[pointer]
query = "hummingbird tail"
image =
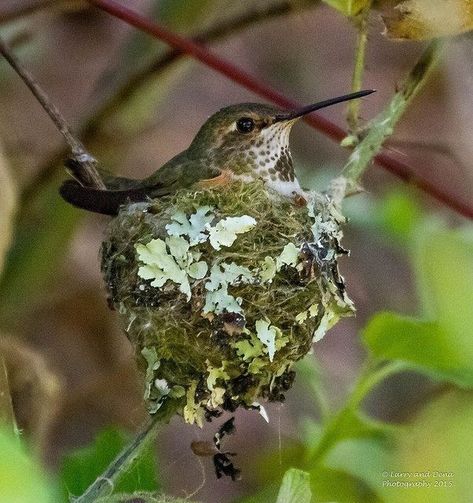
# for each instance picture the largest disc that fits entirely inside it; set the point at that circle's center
(105, 202)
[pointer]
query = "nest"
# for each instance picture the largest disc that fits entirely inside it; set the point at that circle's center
(221, 291)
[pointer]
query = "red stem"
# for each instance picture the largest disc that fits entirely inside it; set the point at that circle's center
(233, 72)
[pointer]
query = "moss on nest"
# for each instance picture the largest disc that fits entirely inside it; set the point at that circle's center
(222, 290)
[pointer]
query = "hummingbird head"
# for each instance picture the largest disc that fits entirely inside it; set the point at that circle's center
(253, 138)
(244, 138)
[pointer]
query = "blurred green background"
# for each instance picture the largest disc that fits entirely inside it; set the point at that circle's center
(65, 360)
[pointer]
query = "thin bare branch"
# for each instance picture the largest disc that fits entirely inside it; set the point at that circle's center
(83, 165)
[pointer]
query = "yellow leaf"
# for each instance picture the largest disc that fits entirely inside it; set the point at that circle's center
(426, 19)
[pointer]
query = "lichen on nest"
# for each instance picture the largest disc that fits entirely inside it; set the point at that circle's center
(222, 290)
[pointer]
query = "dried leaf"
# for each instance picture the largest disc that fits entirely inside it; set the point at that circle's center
(426, 19)
(7, 415)
(8, 196)
(35, 389)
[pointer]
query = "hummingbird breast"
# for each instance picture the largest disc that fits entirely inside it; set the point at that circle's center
(268, 158)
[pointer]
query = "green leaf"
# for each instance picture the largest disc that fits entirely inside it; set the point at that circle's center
(444, 262)
(437, 446)
(222, 275)
(220, 300)
(178, 248)
(249, 349)
(330, 485)
(398, 214)
(34, 259)
(295, 487)
(21, 478)
(425, 345)
(441, 344)
(346, 455)
(81, 467)
(348, 7)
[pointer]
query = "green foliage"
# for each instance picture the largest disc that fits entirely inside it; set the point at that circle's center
(438, 446)
(81, 467)
(399, 214)
(361, 458)
(36, 253)
(295, 487)
(328, 484)
(440, 343)
(21, 478)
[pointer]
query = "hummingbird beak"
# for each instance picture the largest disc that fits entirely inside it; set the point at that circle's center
(295, 114)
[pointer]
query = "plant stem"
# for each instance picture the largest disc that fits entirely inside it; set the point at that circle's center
(85, 165)
(381, 127)
(357, 78)
(367, 381)
(105, 484)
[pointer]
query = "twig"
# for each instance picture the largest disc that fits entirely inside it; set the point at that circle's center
(105, 484)
(357, 78)
(398, 168)
(383, 124)
(83, 164)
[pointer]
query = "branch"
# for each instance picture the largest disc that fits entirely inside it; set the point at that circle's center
(398, 168)
(83, 164)
(105, 484)
(382, 126)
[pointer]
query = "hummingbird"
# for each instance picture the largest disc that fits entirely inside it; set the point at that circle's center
(246, 141)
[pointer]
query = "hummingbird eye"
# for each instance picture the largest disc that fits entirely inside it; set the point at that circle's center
(245, 125)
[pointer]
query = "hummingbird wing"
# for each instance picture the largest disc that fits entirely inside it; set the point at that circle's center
(120, 190)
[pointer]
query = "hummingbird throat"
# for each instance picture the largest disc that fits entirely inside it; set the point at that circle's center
(268, 158)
